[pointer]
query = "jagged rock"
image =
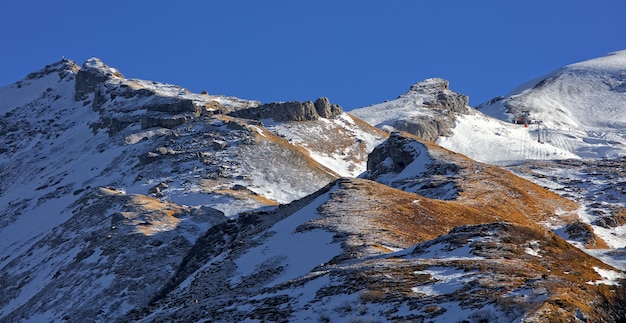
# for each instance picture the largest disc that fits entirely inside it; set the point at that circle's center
(164, 120)
(443, 97)
(93, 72)
(173, 106)
(169, 113)
(291, 111)
(451, 100)
(391, 156)
(441, 102)
(615, 219)
(426, 127)
(64, 67)
(325, 109)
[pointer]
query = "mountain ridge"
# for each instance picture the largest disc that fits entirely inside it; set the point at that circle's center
(177, 206)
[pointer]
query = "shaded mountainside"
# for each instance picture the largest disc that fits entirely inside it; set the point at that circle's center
(133, 200)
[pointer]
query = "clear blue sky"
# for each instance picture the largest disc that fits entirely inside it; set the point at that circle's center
(356, 53)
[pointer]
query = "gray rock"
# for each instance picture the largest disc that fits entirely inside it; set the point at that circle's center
(325, 109)
(442, 105)
(392, 156)
(291, 111)
(426, 127)
(93, 73)
(164, 120)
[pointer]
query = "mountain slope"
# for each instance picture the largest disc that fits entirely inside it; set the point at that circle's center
(360, 250)
(577, 111)
(133, 200)
(105, 178)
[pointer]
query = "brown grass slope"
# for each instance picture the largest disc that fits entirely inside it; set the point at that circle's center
(372, 220)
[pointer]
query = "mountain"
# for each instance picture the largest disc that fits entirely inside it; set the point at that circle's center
(93, 164)
(362, 250)
(574, 112)
(577, 111)
(134, 200)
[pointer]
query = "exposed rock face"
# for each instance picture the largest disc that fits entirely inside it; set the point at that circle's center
(292, 111)
(93, 72)
(391, 156)
(169, 113)
(442, 96)
(441, 102)
(427, 110)
(426, 127)
(64, 67)
(325, 109)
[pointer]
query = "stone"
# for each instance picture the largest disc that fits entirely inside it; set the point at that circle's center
(291, 111)
(93, 73)
(390, 156)
(325, 109)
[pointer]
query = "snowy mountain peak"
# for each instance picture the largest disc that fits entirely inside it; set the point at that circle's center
(134, 200)
(63, 67)
(93, 73)
(427, 110)
(614, 61)
(95, 64)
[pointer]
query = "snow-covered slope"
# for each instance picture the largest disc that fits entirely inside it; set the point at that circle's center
(359, 250)
(133, 200)
(103, 177)
(577, 111)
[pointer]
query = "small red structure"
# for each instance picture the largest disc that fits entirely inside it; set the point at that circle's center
(523, 118)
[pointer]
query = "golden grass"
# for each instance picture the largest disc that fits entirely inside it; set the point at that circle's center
(146, 214)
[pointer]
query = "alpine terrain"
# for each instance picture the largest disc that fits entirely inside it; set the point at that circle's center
(127, 200)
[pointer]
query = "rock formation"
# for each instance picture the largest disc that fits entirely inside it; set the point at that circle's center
(291, 111)
(441, 101)
(93, 73)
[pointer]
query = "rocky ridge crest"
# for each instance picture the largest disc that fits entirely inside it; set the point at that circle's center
(427, 110)
(292, 111)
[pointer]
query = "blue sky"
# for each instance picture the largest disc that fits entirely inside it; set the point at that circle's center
(356, 53)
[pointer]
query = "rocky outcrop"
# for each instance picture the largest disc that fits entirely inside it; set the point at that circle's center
(93, 72)
(426, 127)
(64, 68)
(169, 113)
(291, 111)
(325, 109)
(392, 156)
(442, 105)
(442, 96)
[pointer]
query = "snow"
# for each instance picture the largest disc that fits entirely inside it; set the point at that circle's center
(575, 125)
(446, 280)
(581, 111)
(385, 114)
(609, 277)
(297, 252)
(493, 141)
(447, 253)
(340, 161)
(14, 96)
(533, 249)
